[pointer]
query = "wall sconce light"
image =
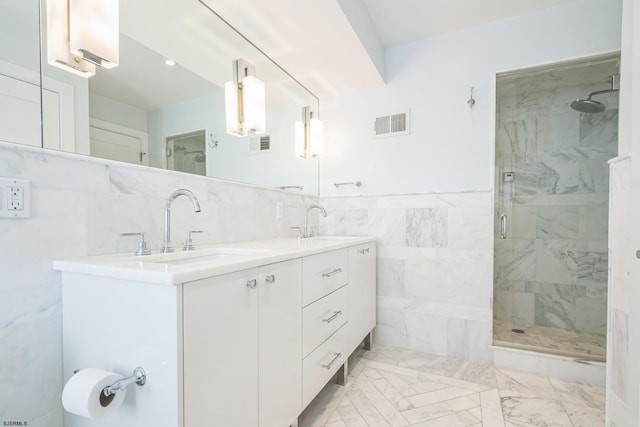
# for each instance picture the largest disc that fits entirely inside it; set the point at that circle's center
(94, 32)
(58, 48)
(308, 135)
(245, 101)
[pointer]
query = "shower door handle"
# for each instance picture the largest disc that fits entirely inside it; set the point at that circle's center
(503, 226)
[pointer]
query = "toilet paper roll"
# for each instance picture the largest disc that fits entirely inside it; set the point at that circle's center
(82, 395)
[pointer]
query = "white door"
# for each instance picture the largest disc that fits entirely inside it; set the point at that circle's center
(114, 142)
(19, 111)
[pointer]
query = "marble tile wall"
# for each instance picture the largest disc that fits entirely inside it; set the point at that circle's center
(79, 207)
(434, 267)
(552, 268)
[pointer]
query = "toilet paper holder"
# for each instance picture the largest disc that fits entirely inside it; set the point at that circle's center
(139, 377)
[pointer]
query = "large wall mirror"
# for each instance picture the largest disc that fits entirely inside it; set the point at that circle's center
(146, 111)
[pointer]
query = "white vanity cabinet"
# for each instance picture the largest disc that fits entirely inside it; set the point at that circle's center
(362, 293)
(243, 336)
(242, 348)
(325, 314)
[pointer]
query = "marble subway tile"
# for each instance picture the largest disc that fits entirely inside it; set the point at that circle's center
(523, 222)
(517, 136)
(558, 131)
(600, 129)
(426, 227)
(390, 277)
(518, 307)
(555, 310)
(591, 315)
(557, 222)
(619, 353)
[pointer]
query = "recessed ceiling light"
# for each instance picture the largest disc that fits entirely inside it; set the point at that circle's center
(169, 62)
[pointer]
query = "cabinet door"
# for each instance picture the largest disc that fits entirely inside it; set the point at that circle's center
(220, 330)
(362, 292)
(280, 343)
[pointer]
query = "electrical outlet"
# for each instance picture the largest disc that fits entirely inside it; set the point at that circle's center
(15, 200)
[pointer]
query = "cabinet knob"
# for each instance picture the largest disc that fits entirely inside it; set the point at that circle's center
(270, 278)
(364, 251)
(252, 283)
(638, 253)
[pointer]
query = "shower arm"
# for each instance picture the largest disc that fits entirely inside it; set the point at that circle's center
(600, 92)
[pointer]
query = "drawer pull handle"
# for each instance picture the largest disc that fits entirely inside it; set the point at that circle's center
(270, 278)
(333, 317)
(252, 283)
(336, 356)
(332, 272)
(364, 251)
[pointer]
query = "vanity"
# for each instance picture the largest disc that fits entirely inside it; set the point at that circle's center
(231, 335)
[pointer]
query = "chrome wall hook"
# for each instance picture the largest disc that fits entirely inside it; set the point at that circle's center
(471, 102)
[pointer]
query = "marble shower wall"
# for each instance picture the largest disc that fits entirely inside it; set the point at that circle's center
(435, 260)
(552, 268)
(80, 205)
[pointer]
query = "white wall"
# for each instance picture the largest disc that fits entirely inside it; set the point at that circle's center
(109, 110)
(434, 274)
(80, 205)
(450, 146)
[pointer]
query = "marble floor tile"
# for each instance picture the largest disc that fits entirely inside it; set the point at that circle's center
(396, 388)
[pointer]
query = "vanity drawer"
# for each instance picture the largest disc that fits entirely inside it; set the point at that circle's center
(323, 273)
(322, 318)
(322, 364)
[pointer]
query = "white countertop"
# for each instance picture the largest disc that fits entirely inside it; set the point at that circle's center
(180, 266)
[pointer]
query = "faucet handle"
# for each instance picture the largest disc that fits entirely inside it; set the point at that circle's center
(188, 243)
(299, 232)
(142, 245)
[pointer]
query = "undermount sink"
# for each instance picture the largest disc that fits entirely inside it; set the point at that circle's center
(196, 257)
(335, 238)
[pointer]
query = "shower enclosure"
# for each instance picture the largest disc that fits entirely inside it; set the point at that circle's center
(551, 205)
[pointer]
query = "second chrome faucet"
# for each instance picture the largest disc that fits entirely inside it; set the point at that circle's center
(166, 239)
(306, 233)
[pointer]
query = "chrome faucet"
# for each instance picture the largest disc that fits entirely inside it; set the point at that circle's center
(306, 232)
(166, 240)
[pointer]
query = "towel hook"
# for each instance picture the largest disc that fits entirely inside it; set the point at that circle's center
(471, 102)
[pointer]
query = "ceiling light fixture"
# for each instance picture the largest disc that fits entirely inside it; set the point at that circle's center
(245, 101)
(169, 62)
(309, 135)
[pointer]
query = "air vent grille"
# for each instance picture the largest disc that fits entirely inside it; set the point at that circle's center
(391, 125)
(259, 144)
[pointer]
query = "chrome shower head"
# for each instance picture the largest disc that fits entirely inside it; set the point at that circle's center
(588, 106)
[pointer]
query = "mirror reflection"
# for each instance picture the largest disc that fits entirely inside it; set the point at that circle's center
(164, 104)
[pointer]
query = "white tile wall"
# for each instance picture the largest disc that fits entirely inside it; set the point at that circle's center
(435, 257)
(80, 206)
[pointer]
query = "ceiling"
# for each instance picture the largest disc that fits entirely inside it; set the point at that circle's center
(337, 46)
(402, 21)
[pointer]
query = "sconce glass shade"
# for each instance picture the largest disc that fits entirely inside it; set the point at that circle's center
(245, 106)
(58, 51)
(94, 32)
(315, 137)
(309, 135)
(301, 140)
